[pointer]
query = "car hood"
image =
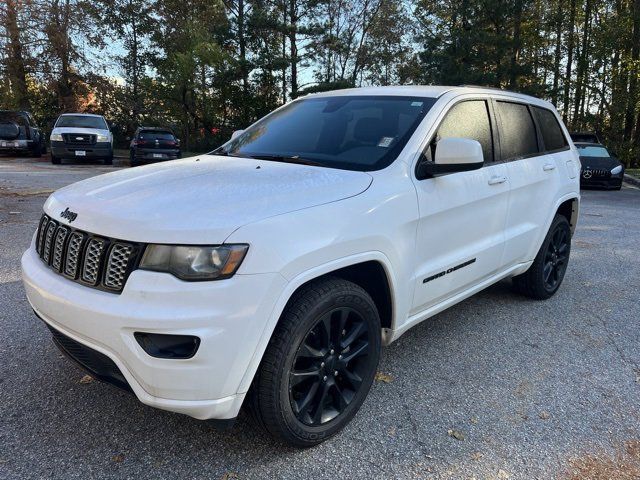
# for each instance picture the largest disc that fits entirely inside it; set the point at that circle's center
(198, 200)
(599, 162)
(89, 131)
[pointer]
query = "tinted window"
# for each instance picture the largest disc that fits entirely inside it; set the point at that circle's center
(517, 131)
(469, 119)
(349, 132)
(592, 151)
(155, 135)
(550, 129)
(81, 121)
(13, 117)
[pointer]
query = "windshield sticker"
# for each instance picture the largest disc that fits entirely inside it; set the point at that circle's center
(385, 142)
(416, 104)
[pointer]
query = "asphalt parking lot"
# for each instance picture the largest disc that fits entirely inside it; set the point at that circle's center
(496, 387)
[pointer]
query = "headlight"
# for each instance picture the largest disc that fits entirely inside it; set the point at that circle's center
(190, 262)
(56, 137)
(616, 170)
(103, 138)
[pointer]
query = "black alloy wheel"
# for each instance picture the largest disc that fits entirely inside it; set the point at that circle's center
(320, 363)
(546, 273)
(556, 257)
(329, 366)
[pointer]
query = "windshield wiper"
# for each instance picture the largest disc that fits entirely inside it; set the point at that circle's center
(287, 159)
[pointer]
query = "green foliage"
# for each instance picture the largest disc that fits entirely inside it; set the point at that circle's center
(208, 67)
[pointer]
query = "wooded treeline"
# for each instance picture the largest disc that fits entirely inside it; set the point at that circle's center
(208, 67)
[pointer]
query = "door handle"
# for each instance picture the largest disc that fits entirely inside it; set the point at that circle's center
(548, 167)
(497, 180)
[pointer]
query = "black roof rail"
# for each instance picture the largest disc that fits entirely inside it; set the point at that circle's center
(468, 85)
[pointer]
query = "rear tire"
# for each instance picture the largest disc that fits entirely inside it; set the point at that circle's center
(546, 273)
(55, 160)
(319, 364)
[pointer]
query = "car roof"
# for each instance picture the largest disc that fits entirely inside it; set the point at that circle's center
(81, 115)
(157, 129)
(431, 91)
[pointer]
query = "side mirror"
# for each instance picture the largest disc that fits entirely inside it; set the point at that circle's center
(452, 155)
(236, 133)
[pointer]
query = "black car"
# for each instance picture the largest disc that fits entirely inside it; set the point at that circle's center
(584, 137)
(153, 144)
(599, 167)
(19, 133)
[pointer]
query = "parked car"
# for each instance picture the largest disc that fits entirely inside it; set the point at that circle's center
(81, 136)
(585, 137)
(19, 133)
(599, 167)
(271, 271)
(153, 144)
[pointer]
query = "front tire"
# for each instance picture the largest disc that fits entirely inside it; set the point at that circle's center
(55, 160)
(546, 273)
(319, 364)
(109, 160)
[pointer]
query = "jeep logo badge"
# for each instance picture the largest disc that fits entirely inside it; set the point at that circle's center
(69, 215)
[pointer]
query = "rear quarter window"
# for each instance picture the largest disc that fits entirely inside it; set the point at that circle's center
(517, 131)
(550, 129)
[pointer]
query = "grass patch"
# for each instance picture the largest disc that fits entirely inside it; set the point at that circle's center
(634, 172)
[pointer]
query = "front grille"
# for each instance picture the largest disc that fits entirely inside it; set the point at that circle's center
(597, 172)
(79, 139)
(97, 364)
(92, 260)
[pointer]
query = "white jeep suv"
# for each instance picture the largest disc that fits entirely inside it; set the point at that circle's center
(270, 271)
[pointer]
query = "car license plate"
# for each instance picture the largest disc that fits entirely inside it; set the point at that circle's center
(80, 153)
(157, 155)
(10, 144)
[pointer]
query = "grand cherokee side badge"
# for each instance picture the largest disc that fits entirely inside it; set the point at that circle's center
(69, 215)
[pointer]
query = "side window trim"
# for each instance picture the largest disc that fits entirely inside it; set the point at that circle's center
(539, 143)
(493, 127)
(545, 151)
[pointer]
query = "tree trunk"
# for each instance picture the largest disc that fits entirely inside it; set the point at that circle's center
(629, 120)
(567, 76)
(557, 54)
(582, 67)
(16, 70)
(515, 52)
(293, 47)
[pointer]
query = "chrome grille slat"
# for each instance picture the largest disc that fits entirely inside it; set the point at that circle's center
(73, 254)
(48, 238)
(117, 265)
(94, 261)
(58, 247)
(40, 237)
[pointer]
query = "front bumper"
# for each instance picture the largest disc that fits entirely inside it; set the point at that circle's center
(228, 316)
(91, 152)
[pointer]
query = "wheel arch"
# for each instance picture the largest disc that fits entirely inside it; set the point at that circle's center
(569, 209)
(372, 271)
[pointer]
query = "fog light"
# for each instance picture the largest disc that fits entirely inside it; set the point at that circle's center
(160, 345)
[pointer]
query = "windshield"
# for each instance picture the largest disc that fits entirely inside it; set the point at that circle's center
(349, 132)
(81, 121)
(592, 151)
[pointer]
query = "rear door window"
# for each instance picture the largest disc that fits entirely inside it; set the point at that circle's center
(550, 129)
(518, 138)
(469, 119)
